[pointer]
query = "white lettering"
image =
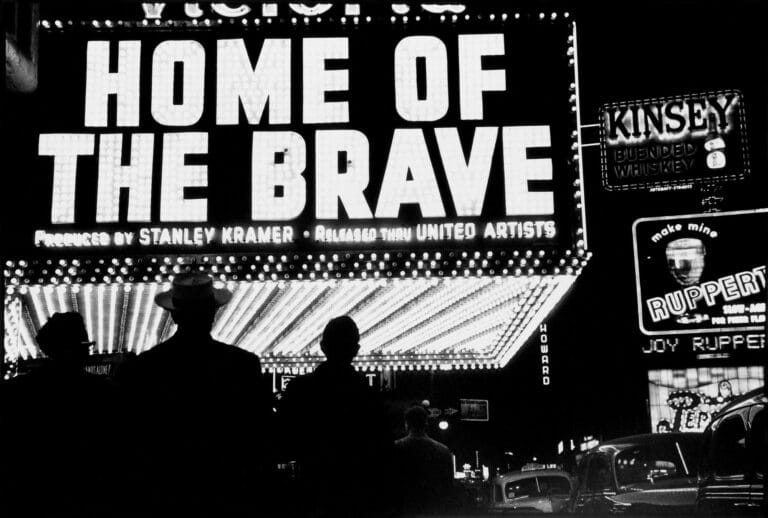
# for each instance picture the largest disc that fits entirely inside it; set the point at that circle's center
(100, 83)
(434, 105)
(278, 188)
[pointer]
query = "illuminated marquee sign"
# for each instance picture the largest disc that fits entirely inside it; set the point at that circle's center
(299, 139)
(701, 273)
(420, 174)
(684, 400)
(674, 142)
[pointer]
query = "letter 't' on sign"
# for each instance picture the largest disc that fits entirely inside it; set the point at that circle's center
(64, 148)
(279, 190)
(433, 105)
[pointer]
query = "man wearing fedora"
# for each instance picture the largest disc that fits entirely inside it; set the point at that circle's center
(201, 411)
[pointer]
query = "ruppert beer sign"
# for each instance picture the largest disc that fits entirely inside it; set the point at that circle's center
(674, 142)
(701, 273)
(305, 138)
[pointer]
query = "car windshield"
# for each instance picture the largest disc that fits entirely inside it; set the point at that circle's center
(554, 485)
(648, 463)
(521, 488)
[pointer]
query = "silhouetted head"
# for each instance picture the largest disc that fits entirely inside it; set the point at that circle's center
(64, 338)
(193, 302)
(416, 419)
(340, 340)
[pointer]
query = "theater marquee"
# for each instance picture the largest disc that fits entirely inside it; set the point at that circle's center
(266, 150)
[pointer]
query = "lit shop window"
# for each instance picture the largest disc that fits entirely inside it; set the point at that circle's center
(687, 399)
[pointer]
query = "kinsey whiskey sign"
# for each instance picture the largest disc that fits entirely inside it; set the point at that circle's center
(674, 142)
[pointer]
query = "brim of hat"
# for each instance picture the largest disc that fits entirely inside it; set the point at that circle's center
(165, 301)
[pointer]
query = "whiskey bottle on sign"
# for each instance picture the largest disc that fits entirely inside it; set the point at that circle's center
(714, 144)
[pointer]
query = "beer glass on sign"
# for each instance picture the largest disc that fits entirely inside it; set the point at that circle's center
(685, 260)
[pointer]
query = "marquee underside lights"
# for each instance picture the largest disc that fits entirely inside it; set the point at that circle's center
(405, 324)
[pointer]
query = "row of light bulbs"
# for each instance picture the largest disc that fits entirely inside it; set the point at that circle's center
(102, 305)
(58, 24)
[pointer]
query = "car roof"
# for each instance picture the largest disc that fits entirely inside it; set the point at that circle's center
(752, 397)
(519, 475)
(622, 443)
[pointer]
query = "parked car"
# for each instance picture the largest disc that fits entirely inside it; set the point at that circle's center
(541, 490)
(731, 475)
(641, 474)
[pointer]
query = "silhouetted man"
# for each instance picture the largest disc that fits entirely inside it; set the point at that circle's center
(57, 427)
(424, 465)
(336, 428)
(202, 411)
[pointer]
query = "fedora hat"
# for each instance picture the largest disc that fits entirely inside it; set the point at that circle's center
(63, 328)
(192, 290)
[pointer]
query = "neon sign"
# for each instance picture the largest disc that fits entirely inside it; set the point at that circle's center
(214, 139)
(420, 173)
(685, 400)
(699, 273)
(674, 142)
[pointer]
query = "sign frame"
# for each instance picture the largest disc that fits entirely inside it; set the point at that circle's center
(471, 402)
(638, 284)
(668, 184)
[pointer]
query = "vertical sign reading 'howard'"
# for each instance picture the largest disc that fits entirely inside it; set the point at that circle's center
(674, 142)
